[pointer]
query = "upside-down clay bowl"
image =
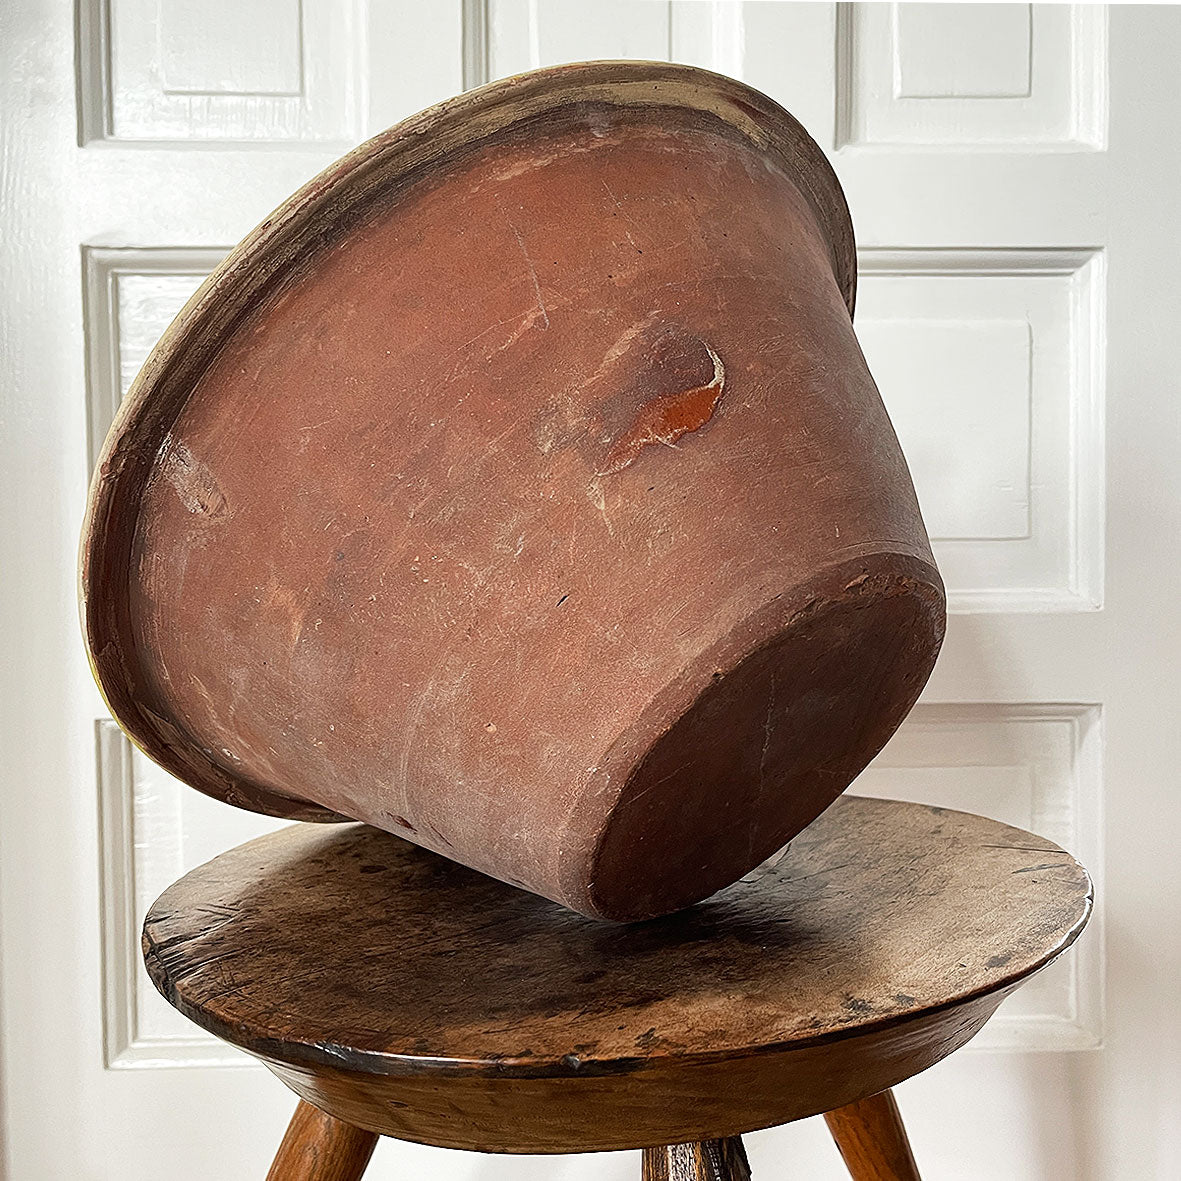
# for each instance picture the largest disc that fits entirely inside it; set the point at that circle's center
(519, 487)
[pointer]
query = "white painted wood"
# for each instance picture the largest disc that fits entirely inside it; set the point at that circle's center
(526, 34)
(945, 51)
(152, 829)
(1018, 307)
(990, 362)
(981, 75)
(223, 70)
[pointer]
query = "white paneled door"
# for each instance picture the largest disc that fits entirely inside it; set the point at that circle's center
(1012, 172)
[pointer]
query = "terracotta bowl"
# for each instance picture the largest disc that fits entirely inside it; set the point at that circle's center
(519, 487)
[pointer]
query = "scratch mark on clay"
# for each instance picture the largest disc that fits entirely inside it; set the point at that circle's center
(599, 500)
(631, 803)
(532, 273)
(619, 207)
(665, 418)
(767, 729)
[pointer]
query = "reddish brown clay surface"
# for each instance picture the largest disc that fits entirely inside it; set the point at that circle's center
(521, 489)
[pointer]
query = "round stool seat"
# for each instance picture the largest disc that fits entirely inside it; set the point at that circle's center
(405, 994)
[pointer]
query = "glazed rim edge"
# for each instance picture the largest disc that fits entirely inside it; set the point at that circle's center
(275, 250)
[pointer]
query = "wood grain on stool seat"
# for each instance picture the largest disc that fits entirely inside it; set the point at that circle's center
(406, 994)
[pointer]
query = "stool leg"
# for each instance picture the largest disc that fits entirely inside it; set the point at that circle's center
(320, 1148)
(707, 1160)
(872, 1140)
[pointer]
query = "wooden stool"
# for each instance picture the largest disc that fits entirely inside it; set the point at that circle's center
(400, 994)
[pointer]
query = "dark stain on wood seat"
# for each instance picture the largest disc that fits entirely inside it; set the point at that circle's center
(433, 1003)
